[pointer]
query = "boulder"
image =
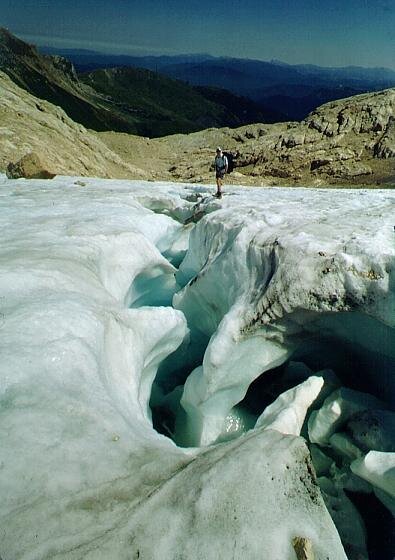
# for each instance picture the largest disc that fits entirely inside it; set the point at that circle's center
(30, 166)
(303, 548)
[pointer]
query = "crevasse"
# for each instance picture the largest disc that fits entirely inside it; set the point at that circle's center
(279, 305)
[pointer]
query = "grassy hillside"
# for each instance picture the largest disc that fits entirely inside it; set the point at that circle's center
(159, 105)
(155, 104)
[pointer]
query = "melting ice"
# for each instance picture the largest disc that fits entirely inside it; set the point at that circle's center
(257, 332)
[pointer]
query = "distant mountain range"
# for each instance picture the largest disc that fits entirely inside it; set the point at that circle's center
(156, 96)
(131, 100)
(288, 91)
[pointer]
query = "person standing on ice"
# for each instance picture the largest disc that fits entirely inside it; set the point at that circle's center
(221, 167)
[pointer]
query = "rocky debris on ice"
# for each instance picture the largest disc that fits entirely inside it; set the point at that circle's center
(303, 548)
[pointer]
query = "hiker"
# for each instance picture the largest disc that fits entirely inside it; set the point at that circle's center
(221, 167)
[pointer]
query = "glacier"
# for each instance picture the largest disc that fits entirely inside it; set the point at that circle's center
(182, 377)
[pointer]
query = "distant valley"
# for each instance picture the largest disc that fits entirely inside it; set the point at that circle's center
(136, 101)
(281, 91)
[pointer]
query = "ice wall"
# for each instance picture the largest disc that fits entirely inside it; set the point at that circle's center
(294, 273)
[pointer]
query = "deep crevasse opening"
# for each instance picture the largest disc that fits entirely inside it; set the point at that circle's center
(346, 348)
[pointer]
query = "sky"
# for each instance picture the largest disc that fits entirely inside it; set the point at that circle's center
(327, 33)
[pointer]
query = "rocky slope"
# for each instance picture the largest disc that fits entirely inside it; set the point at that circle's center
(346, 140)
(54, 79)
(29, 124)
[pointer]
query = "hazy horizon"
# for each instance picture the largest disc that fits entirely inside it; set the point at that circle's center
(359, 33)
(70, 46)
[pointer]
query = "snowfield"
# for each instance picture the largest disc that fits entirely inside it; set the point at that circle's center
(138, 321)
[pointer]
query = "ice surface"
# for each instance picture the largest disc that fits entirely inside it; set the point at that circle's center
(208, 403)
(373, 430)
(336, 410)
(343, 445)
(288, 412)
(222, 505)
(378, 468)
(348, 521)
(321, 462)
(76, 366)
(87, 275)
(237, 422)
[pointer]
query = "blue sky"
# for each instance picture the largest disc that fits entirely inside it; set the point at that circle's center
(331, 33)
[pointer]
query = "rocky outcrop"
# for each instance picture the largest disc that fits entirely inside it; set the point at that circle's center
(303, 548)
(385, 147)
(350, 141)
(34, 72)
(30, 166)
(64, 66)
(338, 140)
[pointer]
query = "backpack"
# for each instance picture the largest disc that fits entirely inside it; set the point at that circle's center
(230, 157)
